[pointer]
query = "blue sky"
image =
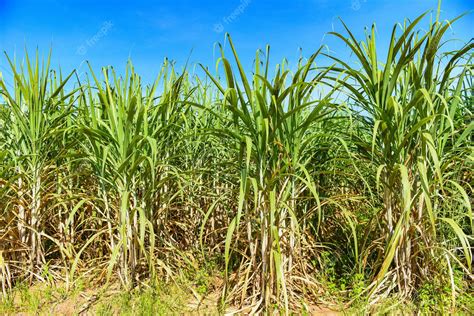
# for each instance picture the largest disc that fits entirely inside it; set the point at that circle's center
(109, 32)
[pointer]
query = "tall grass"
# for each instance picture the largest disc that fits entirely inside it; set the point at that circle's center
(283, 177)
(414, 111)
(275, 127)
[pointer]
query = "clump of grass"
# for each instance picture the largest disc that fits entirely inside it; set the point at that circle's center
(416, 124)
(160, 300)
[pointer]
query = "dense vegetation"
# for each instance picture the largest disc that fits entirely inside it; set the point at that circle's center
(296, 185)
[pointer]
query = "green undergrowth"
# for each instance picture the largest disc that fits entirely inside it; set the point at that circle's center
(347, 292)
(43, 299)
(196, 291)
(186, 292)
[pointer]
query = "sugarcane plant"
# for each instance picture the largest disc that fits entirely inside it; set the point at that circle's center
(412, 105)
(129, 136)
(273, 122)
(34, 118)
